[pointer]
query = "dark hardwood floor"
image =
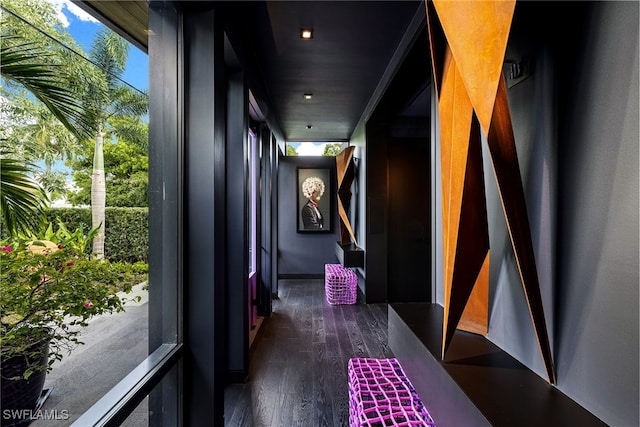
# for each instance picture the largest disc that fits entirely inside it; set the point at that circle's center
(298, 370)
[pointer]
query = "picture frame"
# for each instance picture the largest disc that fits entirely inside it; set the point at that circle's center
(314, 216)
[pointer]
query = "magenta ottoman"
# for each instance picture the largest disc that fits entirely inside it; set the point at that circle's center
(340, 284)
(380, 394)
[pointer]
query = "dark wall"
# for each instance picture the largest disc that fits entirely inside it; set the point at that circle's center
(597, 299)
(575, 120)
(303, 254)
(376, 262)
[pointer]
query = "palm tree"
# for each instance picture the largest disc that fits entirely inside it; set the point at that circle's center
(126, 165)
(23, 201)
(109, 52)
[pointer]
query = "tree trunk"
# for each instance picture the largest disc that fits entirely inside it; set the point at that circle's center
(98, 196)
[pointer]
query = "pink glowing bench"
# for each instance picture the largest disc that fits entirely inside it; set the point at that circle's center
(380, 394)
(340, 284)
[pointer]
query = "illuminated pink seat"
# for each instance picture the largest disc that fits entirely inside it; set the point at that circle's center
(341, 284)
(380, 394)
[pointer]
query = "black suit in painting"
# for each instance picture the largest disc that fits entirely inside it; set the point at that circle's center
(311, 217)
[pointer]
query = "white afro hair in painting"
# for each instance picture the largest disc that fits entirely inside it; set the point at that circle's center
(311, 185)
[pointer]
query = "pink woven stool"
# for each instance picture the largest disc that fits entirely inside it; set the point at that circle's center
(380, 394)
(340, 284)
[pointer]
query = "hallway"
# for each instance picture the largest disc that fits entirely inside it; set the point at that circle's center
(298, 369)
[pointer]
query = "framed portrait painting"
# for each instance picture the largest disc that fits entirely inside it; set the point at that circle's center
(314, 197)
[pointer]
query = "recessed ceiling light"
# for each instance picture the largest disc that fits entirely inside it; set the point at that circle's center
(308, 96)
(306, 33)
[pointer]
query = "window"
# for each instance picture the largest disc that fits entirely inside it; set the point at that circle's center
(314, 148)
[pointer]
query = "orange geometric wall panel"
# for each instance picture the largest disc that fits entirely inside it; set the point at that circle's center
(468, 40)
(346, 174)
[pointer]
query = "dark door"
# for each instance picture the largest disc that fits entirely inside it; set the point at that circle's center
(409, 237)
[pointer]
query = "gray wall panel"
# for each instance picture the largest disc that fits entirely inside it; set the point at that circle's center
(597, 351)
(205, 225)
(576, 127)
(302, 253)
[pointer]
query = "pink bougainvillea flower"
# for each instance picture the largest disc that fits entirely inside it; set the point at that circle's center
(6, 249)
(88, 304)
(67, 264)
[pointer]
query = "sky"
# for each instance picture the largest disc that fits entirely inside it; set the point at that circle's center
(83, 28)
(308, 148)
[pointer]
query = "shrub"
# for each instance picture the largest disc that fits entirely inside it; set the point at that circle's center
(48, 291)
(126, 238)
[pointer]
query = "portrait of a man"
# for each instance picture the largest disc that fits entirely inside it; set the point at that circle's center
(314, 205)
(313, 189)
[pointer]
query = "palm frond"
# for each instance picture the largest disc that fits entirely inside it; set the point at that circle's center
(23, 63)
(109, 51)
(132, 130)
(129, 102)
(22, 200)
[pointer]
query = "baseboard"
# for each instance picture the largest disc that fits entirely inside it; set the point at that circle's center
(301, 276)
(236, 377)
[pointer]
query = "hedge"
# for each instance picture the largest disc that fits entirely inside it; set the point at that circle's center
(126, 230)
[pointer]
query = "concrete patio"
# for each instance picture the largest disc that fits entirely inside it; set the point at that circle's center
(114, 345)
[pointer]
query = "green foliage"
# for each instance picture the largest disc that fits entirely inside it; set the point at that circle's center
(131, 192)
(126, 238)
(54, 183)
(22, 64)
(90, 101)
(119, 101)
(36, 134)
(42, 15)
(22, 200)
(47, 70)
(108, 98)
(50, 292)
(127, 178)
(332, 149)
(77, 240)
(40, 84)
(73, 218)
(132, 130)
(291, 151)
